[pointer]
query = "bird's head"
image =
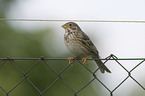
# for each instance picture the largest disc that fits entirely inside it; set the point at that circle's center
(71, 26)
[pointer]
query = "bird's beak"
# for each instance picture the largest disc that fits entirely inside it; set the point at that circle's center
(64, 26)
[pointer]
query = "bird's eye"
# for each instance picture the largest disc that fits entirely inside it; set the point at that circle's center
(70, 24)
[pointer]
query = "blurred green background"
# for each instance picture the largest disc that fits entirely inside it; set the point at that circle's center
(28, 44)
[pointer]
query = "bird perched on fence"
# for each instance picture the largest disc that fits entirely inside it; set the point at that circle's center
(80, 45)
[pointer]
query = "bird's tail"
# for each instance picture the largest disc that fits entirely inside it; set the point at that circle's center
(100, 64)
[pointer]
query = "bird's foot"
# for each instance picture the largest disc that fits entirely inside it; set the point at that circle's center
(84, 59)
(70, 59)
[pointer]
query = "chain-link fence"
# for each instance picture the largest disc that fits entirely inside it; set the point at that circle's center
(59, 75)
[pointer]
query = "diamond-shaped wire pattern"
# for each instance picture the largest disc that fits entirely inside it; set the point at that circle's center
(59, 75)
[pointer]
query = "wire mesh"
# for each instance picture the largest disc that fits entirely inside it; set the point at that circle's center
(60, 74)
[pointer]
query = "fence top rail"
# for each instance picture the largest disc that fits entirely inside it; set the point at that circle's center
(9, 58)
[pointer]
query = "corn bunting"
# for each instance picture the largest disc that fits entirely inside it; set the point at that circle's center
(80, 45)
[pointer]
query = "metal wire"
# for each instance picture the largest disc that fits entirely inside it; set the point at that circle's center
(46, 20)
(60, 74)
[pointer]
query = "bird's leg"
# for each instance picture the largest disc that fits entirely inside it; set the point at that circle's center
(70, 59)
(84, 59)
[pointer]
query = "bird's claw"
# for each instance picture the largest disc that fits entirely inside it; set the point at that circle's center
(85, 59)
(70, 59)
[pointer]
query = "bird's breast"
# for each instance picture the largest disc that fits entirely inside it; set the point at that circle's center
(76, 48)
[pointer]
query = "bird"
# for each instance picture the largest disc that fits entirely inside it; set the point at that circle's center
(79, 44)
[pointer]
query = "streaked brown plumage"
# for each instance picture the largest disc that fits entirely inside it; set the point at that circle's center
(80, 45)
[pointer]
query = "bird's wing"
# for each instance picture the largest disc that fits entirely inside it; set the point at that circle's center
(87, 42)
